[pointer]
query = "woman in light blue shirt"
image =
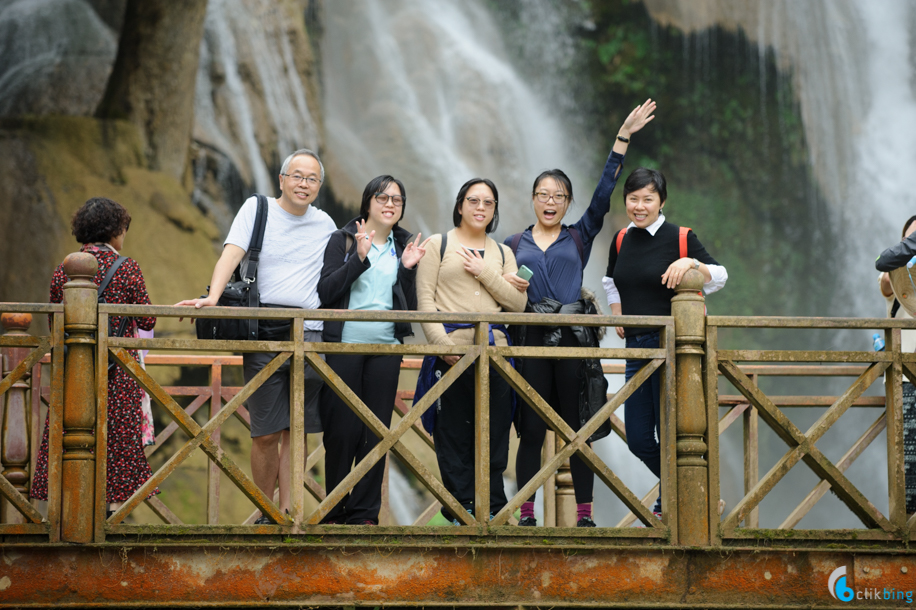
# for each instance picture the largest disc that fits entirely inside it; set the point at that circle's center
(370, 264)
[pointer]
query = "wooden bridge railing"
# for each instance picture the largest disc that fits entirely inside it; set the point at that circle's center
(689, 359)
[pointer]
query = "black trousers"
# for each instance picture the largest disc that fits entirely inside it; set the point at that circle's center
(347, 439)
(557, 381)
(455, 435)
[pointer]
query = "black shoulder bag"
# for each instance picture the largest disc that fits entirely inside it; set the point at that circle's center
(241, 291)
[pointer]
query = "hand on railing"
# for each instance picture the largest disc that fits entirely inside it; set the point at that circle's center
(197, 303)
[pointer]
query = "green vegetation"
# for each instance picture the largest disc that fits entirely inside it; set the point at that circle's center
(728, 136)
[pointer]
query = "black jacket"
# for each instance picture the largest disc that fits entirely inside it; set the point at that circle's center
(898, 255)
(342, 267)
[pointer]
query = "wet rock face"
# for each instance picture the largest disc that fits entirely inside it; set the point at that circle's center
(56, 57)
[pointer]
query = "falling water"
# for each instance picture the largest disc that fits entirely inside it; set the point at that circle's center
(423, 90)
(251, 102)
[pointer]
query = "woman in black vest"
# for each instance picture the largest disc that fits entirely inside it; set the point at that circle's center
(370, 264)
(644, 267)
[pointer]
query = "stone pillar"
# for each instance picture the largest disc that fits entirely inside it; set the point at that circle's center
(80, 323)
(688, 308)
(15, 435)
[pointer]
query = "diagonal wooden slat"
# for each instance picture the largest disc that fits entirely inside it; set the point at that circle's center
(314, 489)
(842, 404)
(162, 511)
(576, 441)
(649, 499)
(390, 441)
(169, 430)
(823, 487)
(200, 437)
(19, 501)
(800, 448)
(26, 365)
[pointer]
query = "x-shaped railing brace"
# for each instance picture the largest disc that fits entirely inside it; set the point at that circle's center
(390, 438)
(802, 447)
(575, 441)
(200, 437)
(6, 488)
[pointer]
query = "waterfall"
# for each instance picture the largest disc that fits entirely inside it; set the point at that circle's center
(851, 66)
(423, 90)
(251, 103)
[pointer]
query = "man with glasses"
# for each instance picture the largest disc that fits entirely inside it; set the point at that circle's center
(292, 254)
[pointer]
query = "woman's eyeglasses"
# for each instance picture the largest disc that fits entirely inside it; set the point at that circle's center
(396, 200)
(475, 201)
(544, 197)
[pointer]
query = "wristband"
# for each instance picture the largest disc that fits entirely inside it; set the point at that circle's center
(696, 264)
(623, 139)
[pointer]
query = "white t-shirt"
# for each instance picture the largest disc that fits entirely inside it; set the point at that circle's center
(291, 256)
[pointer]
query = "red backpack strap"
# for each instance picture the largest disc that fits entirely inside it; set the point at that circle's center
(620, 236)
(682, 241)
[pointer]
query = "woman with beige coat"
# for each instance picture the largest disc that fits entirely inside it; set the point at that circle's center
(462, 272)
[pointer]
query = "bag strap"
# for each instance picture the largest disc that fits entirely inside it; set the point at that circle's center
(620, 235)
(110, 274)
(125, 320)
(577, 237)
(514, 243)
(257, 240)
(682, 241)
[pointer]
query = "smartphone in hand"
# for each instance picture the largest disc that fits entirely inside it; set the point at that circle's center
(524, 272)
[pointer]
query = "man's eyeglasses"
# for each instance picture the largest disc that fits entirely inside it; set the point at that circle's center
(475, 201)
(544, 197)
(396, 200)
(296, 179)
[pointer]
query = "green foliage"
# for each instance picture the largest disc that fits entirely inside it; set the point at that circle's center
(729, 138)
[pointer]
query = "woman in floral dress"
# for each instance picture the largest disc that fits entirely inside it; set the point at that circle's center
(101, 225)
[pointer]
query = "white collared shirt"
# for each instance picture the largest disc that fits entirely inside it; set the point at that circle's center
(718, 272)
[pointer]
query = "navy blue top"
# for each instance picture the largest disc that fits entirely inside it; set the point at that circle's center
(558, 270)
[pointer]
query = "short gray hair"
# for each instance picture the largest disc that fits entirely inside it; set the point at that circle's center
(302, 151)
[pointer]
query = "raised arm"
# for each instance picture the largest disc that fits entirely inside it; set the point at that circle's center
(593, 220)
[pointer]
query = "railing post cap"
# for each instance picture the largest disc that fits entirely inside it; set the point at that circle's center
(692, 281)
(80, 266)
(16, 321)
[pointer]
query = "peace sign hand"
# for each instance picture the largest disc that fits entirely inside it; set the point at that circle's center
(363, 241)
(473, 262)
(414, 252)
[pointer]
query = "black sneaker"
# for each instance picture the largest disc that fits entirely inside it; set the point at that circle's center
(527, 522)
(586, 522)
(264, 520)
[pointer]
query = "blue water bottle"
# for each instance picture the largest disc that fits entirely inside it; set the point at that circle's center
(878, 342)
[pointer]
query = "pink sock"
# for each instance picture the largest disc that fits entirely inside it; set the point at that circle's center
(583, 510)
(527, 509)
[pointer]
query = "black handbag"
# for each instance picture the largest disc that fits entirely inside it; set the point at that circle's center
(240, 291)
